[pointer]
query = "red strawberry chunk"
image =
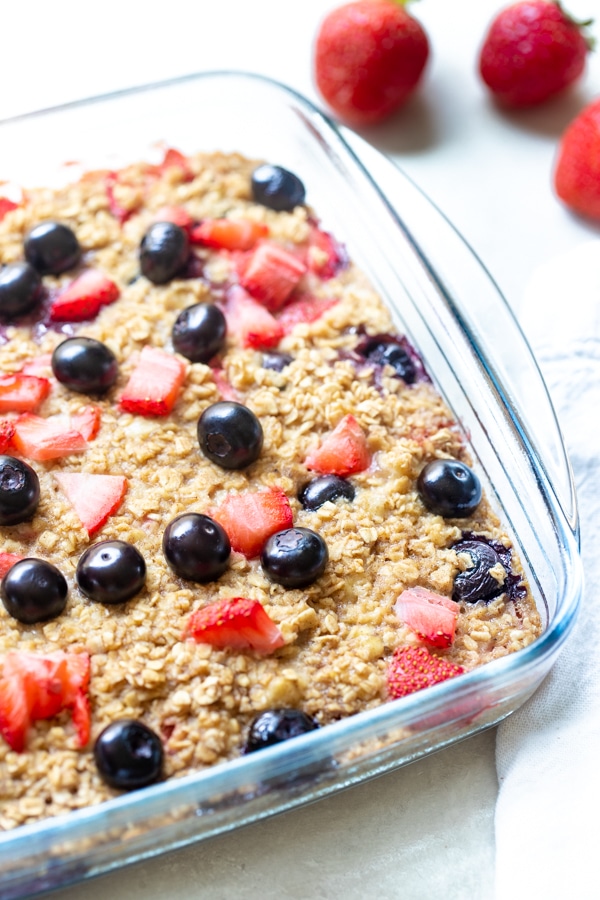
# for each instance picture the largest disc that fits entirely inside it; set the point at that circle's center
(5, 206)
(304, 310)
(325, 257)
(251, 518)
(154, 384)
(175, 214)
(226, 390)
(87, 421)
(38, 365)
(7, 430)
(239, 624)
(34, 687)
(343, 451)
(432, 616)
(84, 297)
(7, 561)
(414, 668)
(174, 159)
(120, 212)
(249, 322)
(271, 274)
(228, 234)
(93, 497)
(41, 439)
(22, 393)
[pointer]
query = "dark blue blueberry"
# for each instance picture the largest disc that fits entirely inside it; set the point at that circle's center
(199, 332)
(476, 583)
(20, 289)
(164, 252)
(19, 491)
(128, 755)
(277, 725)
(295, 557)
(85, 365)
(111, 572)
(52, 248)
(33, 590)
(277, 188)
(323, 489)
(230, 435)
(196, 547)
(272, 359)
(449, 488)
(390, 353)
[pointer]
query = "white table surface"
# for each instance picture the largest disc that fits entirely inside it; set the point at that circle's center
(428, 826)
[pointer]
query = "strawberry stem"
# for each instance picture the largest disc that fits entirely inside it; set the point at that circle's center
(580, 24)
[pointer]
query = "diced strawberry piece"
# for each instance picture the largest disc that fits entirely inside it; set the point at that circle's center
(271, 274)
(249, 322)
(239, 624)
(305, 310)
(93, 497)
(34, 687)
(22, 393)
(325, 257)
(5, 206)
(87, 421)
(41, 439)
(38, 365)
(228, 234)
(414, 668)
(226, 391)
(120, 212)
(432, 616)
(7, 431)
(174, 159)
(84, 297)
(251, 518)
(343, 451)
(7, 561)
(154, 384)
(175, 214)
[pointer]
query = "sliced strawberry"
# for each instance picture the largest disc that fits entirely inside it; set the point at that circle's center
(304, 310)
(251, 518)
(432, 616)
(174, 159)
(84, 297)
(5, 206)
(7, 561)
(120, 212)
(239, 623)
(326, 257)
(343, 451)
(38, 438)
(226, 391)
(87, 421)
(154, 384)
(249, 322)
(93, 497)
(22, 393)
(228, 234)
(175, 214)
(271, 274)
(38, 365)
(34, 687)
(414, 668)
(7, 431)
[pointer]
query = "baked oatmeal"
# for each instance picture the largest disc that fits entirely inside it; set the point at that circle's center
(234, 507)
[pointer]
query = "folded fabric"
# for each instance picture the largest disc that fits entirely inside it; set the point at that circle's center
(548, 752)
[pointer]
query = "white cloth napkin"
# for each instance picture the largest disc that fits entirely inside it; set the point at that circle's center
(548, 753)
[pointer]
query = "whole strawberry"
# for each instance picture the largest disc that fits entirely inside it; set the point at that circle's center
(577, 170)
(532, 51)
(369, 58)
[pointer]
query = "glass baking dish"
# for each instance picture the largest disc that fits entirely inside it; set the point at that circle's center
(448, 306)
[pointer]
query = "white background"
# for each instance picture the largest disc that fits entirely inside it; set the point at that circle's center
(428, 826)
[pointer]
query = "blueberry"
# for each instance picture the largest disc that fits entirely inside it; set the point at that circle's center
(199, 332)
(52, 248)
(276, 188)
(111, 572)
(20, 289)
(33, 590)
(19, 491)
(85, 365)
(230, 435)
(476, 583)
(196, 547)
(449, 488)
(277, 725)
(326, 487)
(272, 359)
(391, 353)
(164, 251)
(295, 557)
(128, 755)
